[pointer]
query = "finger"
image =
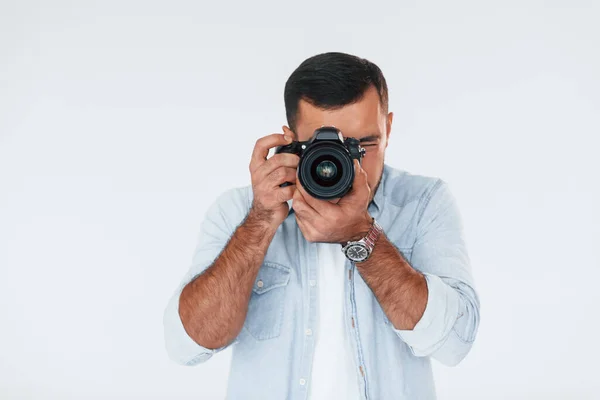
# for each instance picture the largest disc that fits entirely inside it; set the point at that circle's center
(360, 173)
(360, 185)
(305, 228)
(304, 210)
(262, 147)
(362, 180)
(322, 207)
(285, 193)
(287, 160)
(279, 176)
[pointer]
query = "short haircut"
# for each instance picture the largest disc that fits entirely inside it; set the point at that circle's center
(330, 81)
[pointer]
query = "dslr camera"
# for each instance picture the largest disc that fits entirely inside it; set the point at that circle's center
(326, 168)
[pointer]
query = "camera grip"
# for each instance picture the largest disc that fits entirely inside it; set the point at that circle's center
(290, 148)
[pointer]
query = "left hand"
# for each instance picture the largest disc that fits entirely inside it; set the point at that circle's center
(323, 221)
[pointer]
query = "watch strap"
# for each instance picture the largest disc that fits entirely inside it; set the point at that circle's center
(373, 234)
(370, 238)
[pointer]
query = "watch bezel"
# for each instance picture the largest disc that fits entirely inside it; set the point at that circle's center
(360, 243)
(367, 242)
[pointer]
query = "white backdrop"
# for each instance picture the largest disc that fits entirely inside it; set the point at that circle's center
(120, 122)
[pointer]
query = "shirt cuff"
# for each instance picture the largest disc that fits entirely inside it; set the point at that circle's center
(437, 320)
(180, 346)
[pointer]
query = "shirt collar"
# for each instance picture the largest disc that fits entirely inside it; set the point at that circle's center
(379, 198)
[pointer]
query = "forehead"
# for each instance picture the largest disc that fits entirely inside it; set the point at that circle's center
(354, 120)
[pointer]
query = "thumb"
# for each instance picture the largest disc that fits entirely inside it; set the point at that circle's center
(359, 174)
(360, 177)
(355, 184)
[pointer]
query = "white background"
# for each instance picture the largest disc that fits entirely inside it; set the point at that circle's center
(120, 122)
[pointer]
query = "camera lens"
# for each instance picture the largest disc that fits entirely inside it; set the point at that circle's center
(326, 170)
(326, 167)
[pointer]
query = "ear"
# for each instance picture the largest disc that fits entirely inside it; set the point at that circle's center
(390, 118)
(288, 131)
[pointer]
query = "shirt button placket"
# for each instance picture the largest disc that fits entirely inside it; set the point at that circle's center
(311, 262)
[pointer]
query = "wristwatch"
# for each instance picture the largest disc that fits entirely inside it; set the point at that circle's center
(360, 250)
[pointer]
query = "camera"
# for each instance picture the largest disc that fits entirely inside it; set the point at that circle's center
(326, 168)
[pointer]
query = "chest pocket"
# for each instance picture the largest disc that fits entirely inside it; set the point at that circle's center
(406, 253)
(267, 302)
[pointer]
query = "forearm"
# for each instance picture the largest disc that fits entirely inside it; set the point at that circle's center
(400, 289)
(213, 306)
(435, 316)
(433, 307)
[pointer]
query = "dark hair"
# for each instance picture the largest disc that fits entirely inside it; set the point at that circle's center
(331, 81)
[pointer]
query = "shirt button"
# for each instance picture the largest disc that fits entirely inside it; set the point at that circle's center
(308, 332)
(312, 282)
(302, 381)
(259, 283)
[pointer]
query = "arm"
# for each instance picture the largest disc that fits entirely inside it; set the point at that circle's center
(207, 311)
(400, 289)
(209, 308)
(432, 303)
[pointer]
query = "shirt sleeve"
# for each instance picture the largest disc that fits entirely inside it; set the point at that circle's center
(449, 324)
(220, 221)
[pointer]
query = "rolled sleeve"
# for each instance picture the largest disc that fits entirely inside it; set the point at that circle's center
(436, 322)
(448, 326)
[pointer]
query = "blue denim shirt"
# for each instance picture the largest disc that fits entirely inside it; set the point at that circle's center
(272, 355)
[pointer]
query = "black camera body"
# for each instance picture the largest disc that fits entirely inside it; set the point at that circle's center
(326, 168)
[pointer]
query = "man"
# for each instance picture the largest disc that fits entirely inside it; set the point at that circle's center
(305, 322)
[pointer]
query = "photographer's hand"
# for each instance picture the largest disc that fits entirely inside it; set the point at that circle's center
(324, 221)
(270, 200)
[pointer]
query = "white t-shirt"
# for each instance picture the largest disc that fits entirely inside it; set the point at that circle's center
(334, 372)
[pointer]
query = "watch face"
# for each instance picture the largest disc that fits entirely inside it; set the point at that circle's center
(357, 252)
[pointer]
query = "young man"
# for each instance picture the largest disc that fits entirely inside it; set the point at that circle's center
(305, 321)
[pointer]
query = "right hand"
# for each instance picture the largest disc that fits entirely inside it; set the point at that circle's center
(270, 200)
